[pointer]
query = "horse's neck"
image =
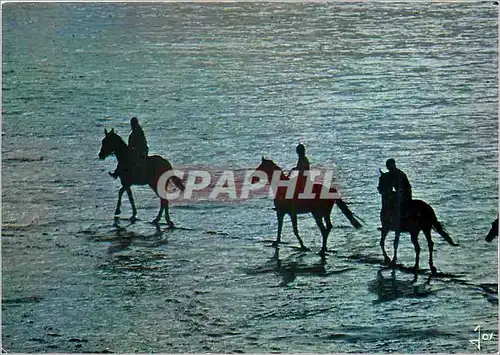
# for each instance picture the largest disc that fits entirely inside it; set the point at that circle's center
(122, 152)
(388, 201)
(270, 174)
(280, 191)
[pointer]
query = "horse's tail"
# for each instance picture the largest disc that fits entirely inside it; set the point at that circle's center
(348, 213)
(438, 227)
(178, 183)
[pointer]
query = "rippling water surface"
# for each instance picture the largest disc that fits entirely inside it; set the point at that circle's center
(219, 85)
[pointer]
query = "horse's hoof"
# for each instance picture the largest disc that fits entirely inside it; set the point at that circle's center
(275, 244)
(170, 224)
(392, 264)
(118, 212)
(304, 248)
(155, 221)
(387, 260)
(133, 219)
(434, 270)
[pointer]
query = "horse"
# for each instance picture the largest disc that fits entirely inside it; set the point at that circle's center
(493, 231)
(154, 167)
(320, 208)
(417, 216)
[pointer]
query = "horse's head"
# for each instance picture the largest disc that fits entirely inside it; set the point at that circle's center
(384, 184)
(110, 143)
(268, 167)
(493, 231)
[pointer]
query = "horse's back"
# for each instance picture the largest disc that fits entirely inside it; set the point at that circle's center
(158, 161)
(420, 206)
(417, 214)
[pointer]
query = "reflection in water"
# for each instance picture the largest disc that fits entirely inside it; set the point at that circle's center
(125, 239)
(294, 265)
(289, 271)
(490, 292)
(132, 249)
(390, 288)
(124, 236)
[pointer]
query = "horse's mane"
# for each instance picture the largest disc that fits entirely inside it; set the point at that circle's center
(383, 181)
(118, 138)
(272, 162)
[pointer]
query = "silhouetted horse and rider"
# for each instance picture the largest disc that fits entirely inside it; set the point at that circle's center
(135, 167)
(401, 213)
(138, 149)
(320, 208)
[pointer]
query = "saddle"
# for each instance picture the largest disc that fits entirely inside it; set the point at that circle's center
(405, 214)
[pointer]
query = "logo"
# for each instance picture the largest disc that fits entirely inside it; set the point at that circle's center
(481, 337)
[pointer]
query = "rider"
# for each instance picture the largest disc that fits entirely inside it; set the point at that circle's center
(138, 147)
(137, 142)
(302, 166)
(401, 185)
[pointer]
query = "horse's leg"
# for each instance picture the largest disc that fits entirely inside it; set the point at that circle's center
(280, 215)
(293, 217)
(132, 203)
(384, 233)
(324, 232)
(397, 234)
(160, 213)
(118, 210)
(329, 224)
(414, 240)
(430, 243)
(167, 214)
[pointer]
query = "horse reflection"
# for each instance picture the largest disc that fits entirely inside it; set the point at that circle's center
(291, 267)
(290, 270)
(390, 289)
(125, 238)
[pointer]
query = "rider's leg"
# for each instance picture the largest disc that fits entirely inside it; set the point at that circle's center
(115, 173)
(397, 227)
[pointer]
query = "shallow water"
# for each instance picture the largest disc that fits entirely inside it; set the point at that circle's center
(219, 85)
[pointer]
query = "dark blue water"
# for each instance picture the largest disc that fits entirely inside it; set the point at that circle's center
(219, 85)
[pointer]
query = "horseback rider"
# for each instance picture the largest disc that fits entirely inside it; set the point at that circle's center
(302, 162)
(138, 147)
(401, 186)
(302, 166)
(137, 143)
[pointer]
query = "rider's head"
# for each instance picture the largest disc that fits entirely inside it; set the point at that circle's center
(390, 164)
(134, 122)
(301, 150)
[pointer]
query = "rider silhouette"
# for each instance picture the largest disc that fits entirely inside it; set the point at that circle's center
(302, 162)
(302, 166)
(402, 186)
(138, 147)
(137, 141)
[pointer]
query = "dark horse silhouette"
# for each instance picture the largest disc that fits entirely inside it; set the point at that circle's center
(493, 231)
(154, 167)
(318, 207)
(418, 216)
